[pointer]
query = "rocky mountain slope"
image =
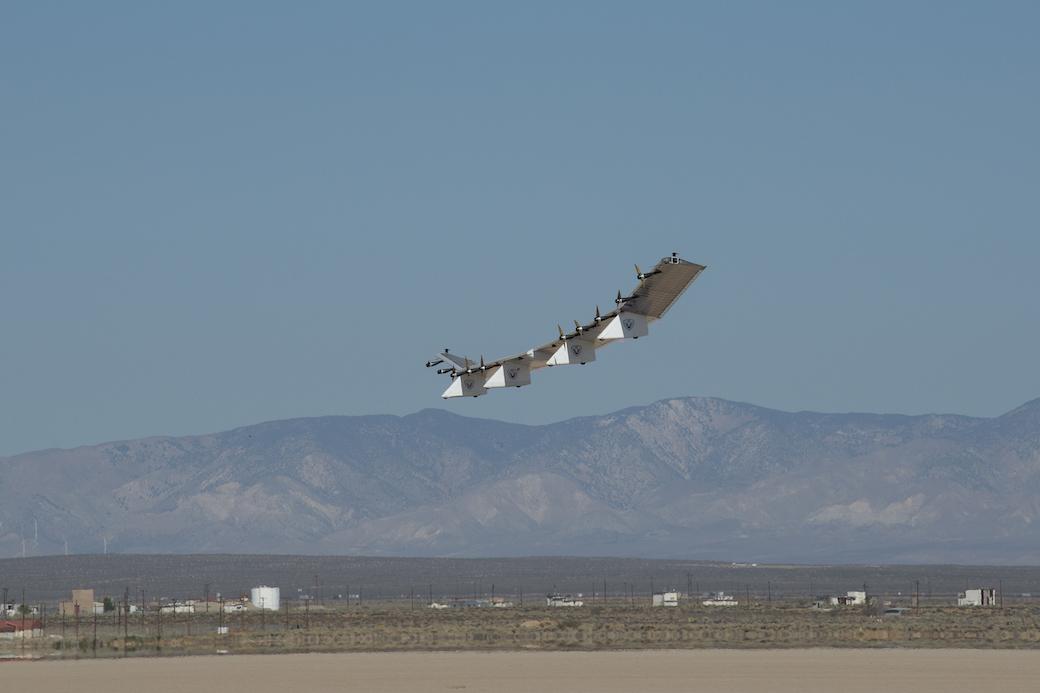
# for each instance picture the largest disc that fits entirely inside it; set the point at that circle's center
(695, 478)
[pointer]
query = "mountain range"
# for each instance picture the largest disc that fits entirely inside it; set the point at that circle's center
(693, 478)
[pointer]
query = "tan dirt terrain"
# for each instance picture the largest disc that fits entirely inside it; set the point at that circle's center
(719, 671)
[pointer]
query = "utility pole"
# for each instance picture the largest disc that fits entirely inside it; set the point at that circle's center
(769, 591)
(22, 609)
(126, 618)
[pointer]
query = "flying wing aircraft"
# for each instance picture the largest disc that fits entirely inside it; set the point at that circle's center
(658, 289)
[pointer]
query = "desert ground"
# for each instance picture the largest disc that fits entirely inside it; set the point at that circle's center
(719, 671)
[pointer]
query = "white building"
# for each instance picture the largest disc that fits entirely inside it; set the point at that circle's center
(234, 607)
(720, 599)
(264, 597)
(984, 596)
(178, 608)
(666, 598)
(12, 610)
(852, 598)
(562, 600)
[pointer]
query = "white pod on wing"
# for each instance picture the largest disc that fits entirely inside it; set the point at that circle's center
(508, 375)
(573, 351)
(466, 385)
(625, 326)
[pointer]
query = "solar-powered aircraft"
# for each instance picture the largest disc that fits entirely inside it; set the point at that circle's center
(658, 289)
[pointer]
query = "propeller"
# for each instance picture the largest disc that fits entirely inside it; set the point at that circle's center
(560, 330)
(431, 364)
(578, 327)
(482, 366)
(598, 317)
(621, 299)
(641, 275)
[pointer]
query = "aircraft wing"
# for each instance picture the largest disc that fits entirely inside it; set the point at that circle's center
(657, 291)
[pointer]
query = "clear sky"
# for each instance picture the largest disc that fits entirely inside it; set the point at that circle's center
(218, 213)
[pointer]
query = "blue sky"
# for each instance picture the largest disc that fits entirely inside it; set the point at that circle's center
(213, 214)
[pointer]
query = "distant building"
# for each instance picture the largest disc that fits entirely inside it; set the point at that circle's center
(476, 603)
(13, 610)
(984, 596)
(9, 630)
(187, 607)
(81, 604)
(852, 598)
(234, 607)
(562, 600)
(670, 598)
(720, 599)
(264, 597)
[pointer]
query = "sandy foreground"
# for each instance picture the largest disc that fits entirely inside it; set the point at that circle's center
(755, 671)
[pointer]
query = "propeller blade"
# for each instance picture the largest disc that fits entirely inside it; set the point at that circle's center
(598, 317)
(577, 327)
(560, 330)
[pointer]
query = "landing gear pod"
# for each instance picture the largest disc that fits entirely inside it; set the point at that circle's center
(508, 375)
(466, 385)
(573, 351)
(625, 326)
